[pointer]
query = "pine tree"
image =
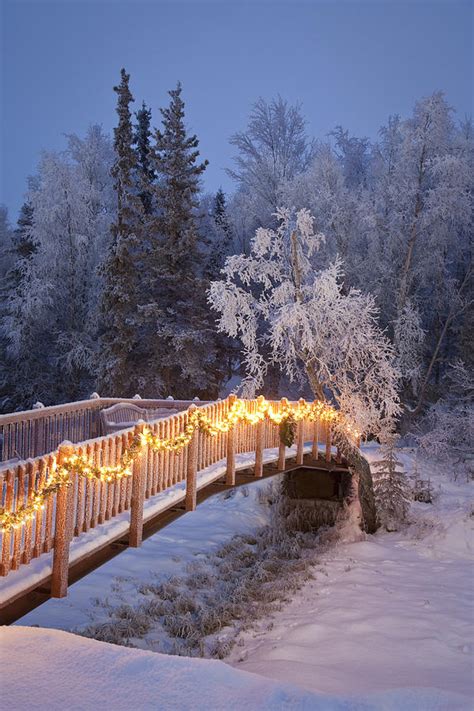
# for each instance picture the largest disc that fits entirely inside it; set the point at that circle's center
(118, 366)
(392, 491)
(184, 349)
(146, 174)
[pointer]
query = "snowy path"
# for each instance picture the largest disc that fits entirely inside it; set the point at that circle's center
(389, 612)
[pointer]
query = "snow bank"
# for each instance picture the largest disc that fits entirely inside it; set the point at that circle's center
(83, 674)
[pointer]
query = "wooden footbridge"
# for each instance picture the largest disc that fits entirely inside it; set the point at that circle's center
(72, 496)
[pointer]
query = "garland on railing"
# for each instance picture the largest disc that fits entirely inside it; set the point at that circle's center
(197, 420)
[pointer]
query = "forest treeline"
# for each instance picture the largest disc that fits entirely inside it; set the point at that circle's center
(106, 274)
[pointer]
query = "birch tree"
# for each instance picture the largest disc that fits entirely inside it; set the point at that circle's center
(276, 300)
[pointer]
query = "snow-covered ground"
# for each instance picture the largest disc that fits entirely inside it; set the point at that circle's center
(386, 623)
(391, 611)
(53, 670)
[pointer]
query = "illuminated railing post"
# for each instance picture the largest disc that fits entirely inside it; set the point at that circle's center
(314, 448)
(192, 465)
(138, 494)
(282, 445)
(300, 435)
(230, 465)
(259, 442)
(328, 440)
(62, 529)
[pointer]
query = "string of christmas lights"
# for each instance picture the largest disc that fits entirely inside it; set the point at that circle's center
(197, 420)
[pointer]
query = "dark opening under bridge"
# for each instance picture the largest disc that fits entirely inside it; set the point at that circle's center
(72, 496)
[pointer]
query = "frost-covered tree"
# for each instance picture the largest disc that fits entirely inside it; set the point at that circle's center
(272, 150)
(409, 337)
(447, 429)
(6, 236)
(278, 302)
(6, 263)
(119, 366)
(422, 198)
(339, 211)
(392, 490)
(354, 156)
(51, 321)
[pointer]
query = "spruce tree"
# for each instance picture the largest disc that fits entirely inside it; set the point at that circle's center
(146, 174)
(183, 350)
(120, 338)
(391, 488)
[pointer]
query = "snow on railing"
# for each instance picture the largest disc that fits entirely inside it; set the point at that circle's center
(51, 499)
(32, 433)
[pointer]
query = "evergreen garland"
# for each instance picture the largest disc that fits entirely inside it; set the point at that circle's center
(288, 431)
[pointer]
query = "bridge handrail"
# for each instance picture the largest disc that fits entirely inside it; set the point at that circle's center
(111, 474)
(31, 433)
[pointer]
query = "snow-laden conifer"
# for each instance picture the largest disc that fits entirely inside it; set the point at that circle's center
(392, 491)
(119, 365)
(182, 350)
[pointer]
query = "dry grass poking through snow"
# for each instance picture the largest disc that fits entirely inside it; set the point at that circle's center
(224, 593)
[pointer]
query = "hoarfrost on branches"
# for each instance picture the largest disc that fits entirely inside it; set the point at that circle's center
(276, 299)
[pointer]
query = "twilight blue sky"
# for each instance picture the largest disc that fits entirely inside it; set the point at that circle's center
(349, 62)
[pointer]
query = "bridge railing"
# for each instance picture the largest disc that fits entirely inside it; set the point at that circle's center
(49, 500)
(32, 433)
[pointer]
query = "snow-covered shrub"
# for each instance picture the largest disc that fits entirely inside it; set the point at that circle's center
(392, 491)
(423, 490)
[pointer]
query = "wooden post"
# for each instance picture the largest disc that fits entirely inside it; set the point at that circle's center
(230, 470)
(62, 533)
(314, 450)
(281, 445)
(338, 456)
(328, 441)
(300, 436)
(191, 468)
(259, 443)
(138, 495)
(7, 535)
(28, 543)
